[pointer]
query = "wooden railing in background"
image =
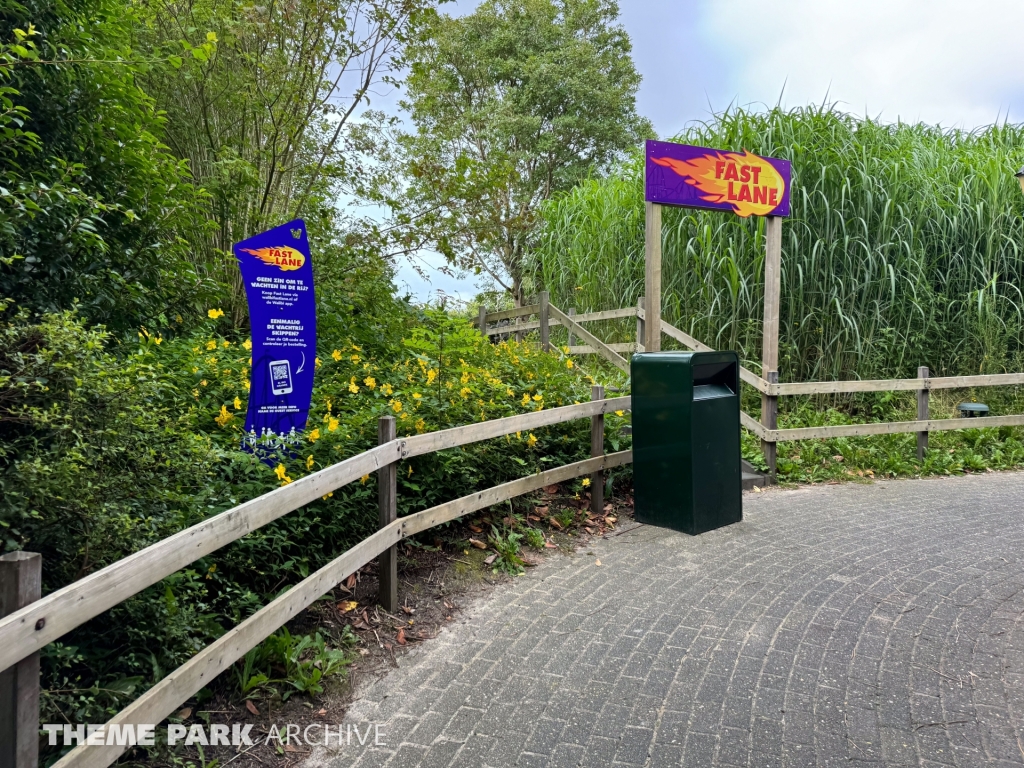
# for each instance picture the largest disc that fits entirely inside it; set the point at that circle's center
(23, 632)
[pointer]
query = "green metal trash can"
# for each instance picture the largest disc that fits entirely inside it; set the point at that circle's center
(686, 440)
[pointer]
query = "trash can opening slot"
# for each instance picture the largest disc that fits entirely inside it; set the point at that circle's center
(710, 391)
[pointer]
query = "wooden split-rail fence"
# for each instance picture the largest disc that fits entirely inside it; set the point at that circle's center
(29, 622)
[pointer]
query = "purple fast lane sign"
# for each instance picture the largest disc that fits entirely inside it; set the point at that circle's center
(278, 275)
(699, 177)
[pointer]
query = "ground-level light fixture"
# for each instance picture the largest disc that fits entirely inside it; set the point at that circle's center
(1020, 177)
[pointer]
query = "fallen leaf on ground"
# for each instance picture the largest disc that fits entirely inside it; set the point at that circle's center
(400, 637)
(407, 610)
(475, 528)
(609, 508)
(555, 523)
(550, 545)
(350, 582)
(611, 520)
(534, 518)
(322, 712)
(551, 490)
(508, 521)
(388, 646)
(478, 544)
(290, 748)
(347, 605)
(757, 489)
(588, 529)
(490, 559)
(183, 714)
(360, 624)
(251, 707)
(448, 605)
(542, 510)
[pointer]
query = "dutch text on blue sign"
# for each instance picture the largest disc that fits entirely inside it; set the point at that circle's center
(278, 275)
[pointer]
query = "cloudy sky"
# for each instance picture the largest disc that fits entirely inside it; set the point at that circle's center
(953, 63)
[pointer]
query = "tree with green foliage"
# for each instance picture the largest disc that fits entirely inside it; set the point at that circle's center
(90, 199)
(514, 102)
(258, 99)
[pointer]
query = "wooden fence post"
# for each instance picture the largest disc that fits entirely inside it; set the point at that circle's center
(20, 584)
(572, 314)
(387, 501)
(770, 420)
(482, 321)
(597, 449)
(652, 276)
(922, 413)
(545, 343)
(639, 325)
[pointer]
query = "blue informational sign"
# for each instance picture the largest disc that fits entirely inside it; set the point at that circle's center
(278, 275)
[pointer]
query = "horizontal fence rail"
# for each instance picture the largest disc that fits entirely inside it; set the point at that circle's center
(166, 696)
(29, 629)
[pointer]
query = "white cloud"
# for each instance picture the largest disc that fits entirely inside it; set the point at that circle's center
(955, 63)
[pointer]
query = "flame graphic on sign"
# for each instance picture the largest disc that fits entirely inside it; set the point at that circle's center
(283, 257)
(745, 181)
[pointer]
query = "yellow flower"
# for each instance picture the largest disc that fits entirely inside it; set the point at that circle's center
(211, 345)
(247, 384)
(431, 375)
(352, 386)
(158, 339)
(325, 497)
(510, 393)
(317, 362)
(285, 480)
(519, 435)
(566, 350)
(417, 395)
(465, 377)
(178, 319)
(409, 474)
(213, 314)
(538, 398)
(224, 417)
(354, 358)
(309, 461)
(332, 424)
(531, 441)
(396, 406)
(386, 389)
(586, 482)
(247, 344)
(280, 471)
(619, 413)
(225, 343)
(203, 383)
(194, 369)
(363, 479)
(421, 426)
(238, 404)
(465, 391)
(370, 382)
(195, 393)
(357, 349)
(314, 435)
(568, 364)
(526, 398)
(336, 355)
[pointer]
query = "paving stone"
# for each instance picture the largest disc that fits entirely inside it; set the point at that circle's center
(869, 624)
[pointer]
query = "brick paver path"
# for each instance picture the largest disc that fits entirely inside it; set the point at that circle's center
(835, 625)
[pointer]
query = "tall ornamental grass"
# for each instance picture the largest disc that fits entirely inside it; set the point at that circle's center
(903, 248)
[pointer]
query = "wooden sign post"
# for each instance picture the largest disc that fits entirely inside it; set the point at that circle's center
(736, 182)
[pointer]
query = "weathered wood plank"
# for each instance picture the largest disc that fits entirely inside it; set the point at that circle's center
(686, 339)
(417, 445)
(749, 422)
(652, 275)
(450, 510)
(899, 385)
(544, 320)
(166, 696)
(584, 349)
(608, 314)
(922, 413)
(597, 449)
(67, 608)
(770, 421)
(508, 314)
(894, 427)
(387, 513)
(590, 338)
(21, 583)
(772, 293)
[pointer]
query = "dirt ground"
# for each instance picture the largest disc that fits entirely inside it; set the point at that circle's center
(441, 574)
